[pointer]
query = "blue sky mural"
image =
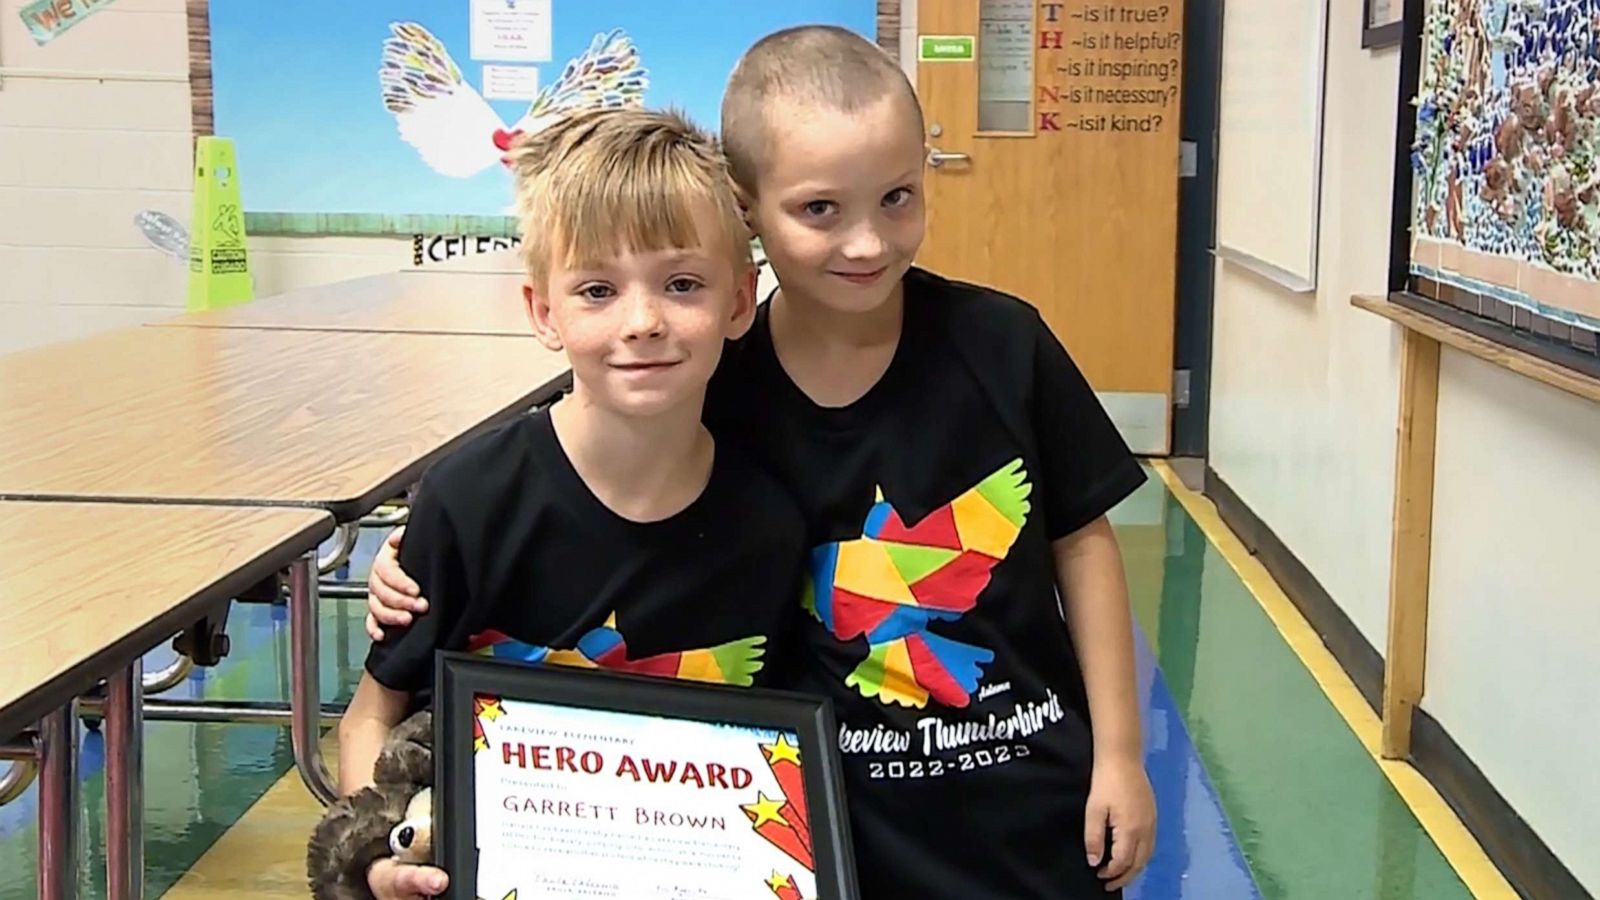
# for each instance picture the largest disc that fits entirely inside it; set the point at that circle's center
(297, 88)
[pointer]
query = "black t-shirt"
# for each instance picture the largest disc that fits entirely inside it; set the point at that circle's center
(519, 559)
(931, 503)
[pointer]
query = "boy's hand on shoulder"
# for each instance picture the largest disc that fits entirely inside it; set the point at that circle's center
(1120, 799)
(390, 880)
(392, 597)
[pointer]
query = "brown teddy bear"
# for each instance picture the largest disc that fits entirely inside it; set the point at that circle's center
(391, 817)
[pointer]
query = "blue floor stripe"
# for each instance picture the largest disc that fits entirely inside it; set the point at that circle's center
(1196, 856)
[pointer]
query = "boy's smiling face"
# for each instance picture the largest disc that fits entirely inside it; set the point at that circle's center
(643, 330)
(838, 200)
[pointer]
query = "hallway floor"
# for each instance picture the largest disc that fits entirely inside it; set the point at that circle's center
(1259, 749)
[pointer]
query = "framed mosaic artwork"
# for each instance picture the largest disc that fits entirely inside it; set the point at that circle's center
(1498, 193)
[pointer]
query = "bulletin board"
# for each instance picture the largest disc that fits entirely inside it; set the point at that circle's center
(1269, 153)
(392, 116)
(1504, 189)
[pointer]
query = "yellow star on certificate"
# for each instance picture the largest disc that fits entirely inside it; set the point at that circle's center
(765, 809)
(779, 881)
(781, 750)
(491, 709)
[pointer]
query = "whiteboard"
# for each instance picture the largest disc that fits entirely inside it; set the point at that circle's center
(1269, 146)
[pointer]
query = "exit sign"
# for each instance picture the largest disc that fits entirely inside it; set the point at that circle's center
(945, 48)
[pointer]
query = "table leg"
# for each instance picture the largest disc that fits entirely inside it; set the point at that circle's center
(124, 732)
(22, 771)
(347, 535)
(305, 679)
(58, 806)
(170, 677)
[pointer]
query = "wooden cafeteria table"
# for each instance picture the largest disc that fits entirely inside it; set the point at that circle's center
(335, 420)
(85, 591)
(410, 302)
(423, 302)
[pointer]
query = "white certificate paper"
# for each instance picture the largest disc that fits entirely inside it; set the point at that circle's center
(511, 30)
(585, 803)
(510, 82)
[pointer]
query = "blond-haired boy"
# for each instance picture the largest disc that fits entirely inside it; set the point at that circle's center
(615, 510)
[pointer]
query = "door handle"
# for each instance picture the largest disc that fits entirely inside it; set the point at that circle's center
(937, 157)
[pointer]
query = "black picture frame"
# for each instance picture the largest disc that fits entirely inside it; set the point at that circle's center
(459, 677)
(1382, 34)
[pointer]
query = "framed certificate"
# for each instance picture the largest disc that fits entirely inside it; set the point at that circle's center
(1383, 22)
(553, 783)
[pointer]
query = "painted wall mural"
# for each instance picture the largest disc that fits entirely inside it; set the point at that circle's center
(392, 116)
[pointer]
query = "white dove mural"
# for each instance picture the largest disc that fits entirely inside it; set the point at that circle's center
(454, 129)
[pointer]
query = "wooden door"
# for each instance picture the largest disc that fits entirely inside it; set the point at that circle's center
(1053, 175)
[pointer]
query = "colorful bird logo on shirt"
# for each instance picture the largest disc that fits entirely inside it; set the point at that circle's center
(735, 662)
(889, 584)
(453, 127)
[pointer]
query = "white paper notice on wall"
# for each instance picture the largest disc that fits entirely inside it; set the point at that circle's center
(1006, 10)
(511, 30)
(510, 82)
(1005, 55)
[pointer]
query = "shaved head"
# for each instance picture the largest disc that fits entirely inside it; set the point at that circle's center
(811, 66)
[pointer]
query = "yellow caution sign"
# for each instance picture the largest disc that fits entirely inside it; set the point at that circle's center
(219, 266)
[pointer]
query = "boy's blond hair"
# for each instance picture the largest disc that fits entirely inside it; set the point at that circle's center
(811, 65)
(600, 183)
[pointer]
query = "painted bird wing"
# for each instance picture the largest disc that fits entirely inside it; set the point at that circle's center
(445, 119)
(607, 74)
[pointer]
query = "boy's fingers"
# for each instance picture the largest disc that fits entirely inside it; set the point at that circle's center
(1131, 867)
(381, 880)
(1123, 846)
(1094, 833)
(386, 564)
(420, 881)
(380, 617)
(386, 573)
(388, 607)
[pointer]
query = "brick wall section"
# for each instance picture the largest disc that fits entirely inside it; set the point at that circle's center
(889, 27)
(199, 22)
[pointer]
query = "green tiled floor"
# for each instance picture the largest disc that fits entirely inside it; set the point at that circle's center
(1312, 812)
(1314, 816)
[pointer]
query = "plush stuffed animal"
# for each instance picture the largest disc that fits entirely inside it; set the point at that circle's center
(412, 840)
(392, 817)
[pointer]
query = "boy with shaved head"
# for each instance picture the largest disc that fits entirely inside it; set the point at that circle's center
(966, 606)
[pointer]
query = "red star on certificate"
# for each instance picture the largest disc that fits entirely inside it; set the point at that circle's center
(784, 887)
(485, 708)
(784, 820)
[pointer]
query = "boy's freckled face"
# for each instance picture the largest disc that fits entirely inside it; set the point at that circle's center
(839, 200)
(644, 330)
